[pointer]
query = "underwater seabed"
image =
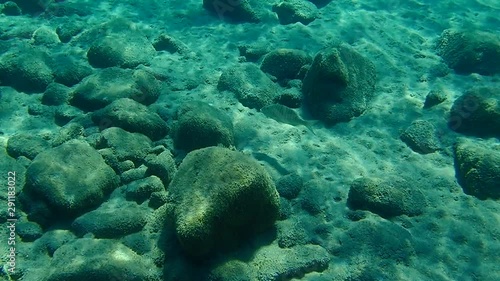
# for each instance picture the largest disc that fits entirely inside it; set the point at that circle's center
(249, 140)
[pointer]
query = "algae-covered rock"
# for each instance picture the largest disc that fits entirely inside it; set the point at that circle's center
(163, 166)
(386, 197)
(26, 144)
(220, 197)
(478, 168)
(26, 69)
(122, 50)
(470, 51)
(285, 63)
(99, 260)
(70, 178)
(234, 11)
(252, 87)
(477, 112)
(110, 84)
(293, 11)
(201, 125)
(339, 84)
(421, 137)
(111, 220)
(125, 145)
(131, 116)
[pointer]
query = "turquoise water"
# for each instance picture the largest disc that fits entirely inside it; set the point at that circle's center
(250, 140)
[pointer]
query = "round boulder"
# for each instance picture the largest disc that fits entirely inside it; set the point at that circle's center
(26, 144)
(68, 71)
(11, 9)
(125, 145)
(252, 87)
(477, 113)
(289, 186)
(478, 168)
(285, 63)
(111, 220)
(111, 84)
(55, 94)
(339, 85)
(99, 260)
(131, 116)
(127, 51)
(421, 137)
(387, 198)
(25, 70)
(220, 197)
(67, 30)
(470, 51)
(201, 125)
(71, 178)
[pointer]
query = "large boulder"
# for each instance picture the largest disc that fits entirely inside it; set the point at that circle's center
(67, 30)
(10, 8)
(99, 260)
(68, 70)
(112, 220)
(478, 168)
(110, 84)
(131, 116)
(285, 63)
(70, 178)
(219, 197)
(381, 243)
(26, 69)
(470, 51)
(126, 50)
(252, 87)
(339, 84)
(389, 197)
(477, 113)
(27, 144)
(421, 137)
(200, 125)
(125, 145)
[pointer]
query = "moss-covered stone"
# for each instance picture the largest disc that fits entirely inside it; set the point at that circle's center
(285, 63)
(470, 51)
(111, 84)
(201, 125)
(339, 84)
(27, 144)
(220, 197)
(111, 220)
(71, 178)
(386, 197)
(293, 11)
(25, 69)
(131, 116)
(249, 84)
(478, 168)
(421, 137)
(99, 260)
(123, 50)
(477, 113)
